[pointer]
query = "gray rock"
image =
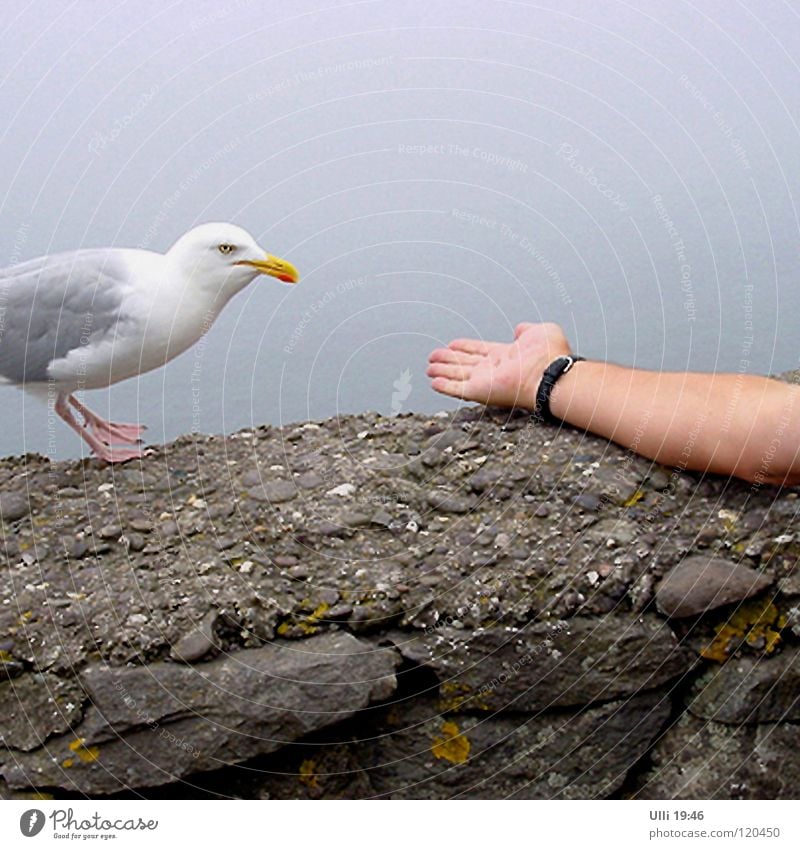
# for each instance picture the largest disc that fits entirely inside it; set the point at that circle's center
(420, 754)
(136, 542)
(252, 477)
(485, 479)
(198, 643)
(700, 583)
(621, 531)
(9, 668)
(542, 666)
(445, 502)
(34, 707)
(146, 726)
(14, 506)
(747, 689)
(275, 492)
(121, 607)
(698, 759)
(588, 501)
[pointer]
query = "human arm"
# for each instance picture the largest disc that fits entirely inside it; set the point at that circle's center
(732, 424)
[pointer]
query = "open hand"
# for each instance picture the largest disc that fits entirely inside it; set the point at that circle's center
(497, 373)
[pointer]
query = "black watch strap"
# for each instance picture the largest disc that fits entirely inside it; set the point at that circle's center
(559, 367)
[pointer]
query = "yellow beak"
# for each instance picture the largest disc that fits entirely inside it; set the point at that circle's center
(275, 267)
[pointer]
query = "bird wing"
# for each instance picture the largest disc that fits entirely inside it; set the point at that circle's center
(55, 304)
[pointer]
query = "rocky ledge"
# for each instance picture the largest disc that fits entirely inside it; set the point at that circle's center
(455, 606)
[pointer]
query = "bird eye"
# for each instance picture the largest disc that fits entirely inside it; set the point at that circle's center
(227, 249)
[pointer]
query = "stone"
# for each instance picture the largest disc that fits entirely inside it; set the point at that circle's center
(620, 531)
(109, 532)
(14, 506)
(588, 501)
(34, 707)
(697, 759)
(275, 492)
(145, 726)
(198, 643)
(478, 597)
(418, 753)
(698, 584)
(444, 502)
(485, 479)
(309, 480)
(135, 541)
(749, 690)
(547, 665)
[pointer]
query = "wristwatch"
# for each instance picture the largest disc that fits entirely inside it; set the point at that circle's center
(559, 367)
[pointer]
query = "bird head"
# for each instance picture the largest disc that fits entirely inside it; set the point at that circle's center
(224, 259)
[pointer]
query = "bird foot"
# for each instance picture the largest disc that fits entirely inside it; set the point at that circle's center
(112, 433)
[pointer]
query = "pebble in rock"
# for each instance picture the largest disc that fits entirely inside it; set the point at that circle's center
(700, 583)
(587, 501)
(276, 492)
(447, 503)
(309, 480)
(197, 644)
(109, 532)
(13, 506)
(136, 542)
(485, 479)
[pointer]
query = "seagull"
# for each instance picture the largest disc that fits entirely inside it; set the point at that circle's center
(89, 318)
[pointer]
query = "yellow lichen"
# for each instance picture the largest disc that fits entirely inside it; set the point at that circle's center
(756, 623)
(308, 774)
(452, 746)
(67, 763)
(454, 695)
(634, 499)
(308, 625)
(87, 754)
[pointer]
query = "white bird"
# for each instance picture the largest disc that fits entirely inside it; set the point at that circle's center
(89, 318)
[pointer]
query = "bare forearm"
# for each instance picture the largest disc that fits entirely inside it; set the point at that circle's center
(742, 425)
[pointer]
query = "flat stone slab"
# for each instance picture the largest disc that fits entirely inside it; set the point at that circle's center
(574, 662)
(701, 583)
(155, 724)
(34, 707)
(420, 754)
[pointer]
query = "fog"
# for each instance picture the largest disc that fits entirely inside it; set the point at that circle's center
(433, 169)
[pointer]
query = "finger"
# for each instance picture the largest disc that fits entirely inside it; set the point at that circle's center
(469, 346)
(449, 370)
(445, 355)
(521, 328)
(454, 388)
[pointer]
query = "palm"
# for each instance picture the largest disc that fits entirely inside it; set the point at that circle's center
(496, 373)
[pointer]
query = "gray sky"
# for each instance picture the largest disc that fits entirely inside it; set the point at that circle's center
(433, 169)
